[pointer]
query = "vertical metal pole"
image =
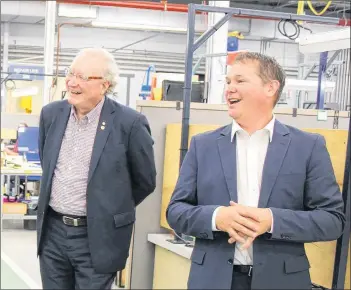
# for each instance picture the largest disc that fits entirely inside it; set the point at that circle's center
(342, 245)
(321, 80)
(5, 64)
(300, 74)
(216, 66)
(3, 190)
(49, 48)
(189, 55)
(128, 92)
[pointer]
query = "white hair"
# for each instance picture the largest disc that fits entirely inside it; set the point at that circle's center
(111, 73)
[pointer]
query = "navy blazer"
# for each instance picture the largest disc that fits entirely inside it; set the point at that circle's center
(299, 186)
(121, 175)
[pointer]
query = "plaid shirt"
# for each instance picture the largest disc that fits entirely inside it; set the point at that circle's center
(69, 183)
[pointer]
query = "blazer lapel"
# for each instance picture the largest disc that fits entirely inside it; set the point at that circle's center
(103, 131)
(227, 153)
(274, 159)
(59, 128)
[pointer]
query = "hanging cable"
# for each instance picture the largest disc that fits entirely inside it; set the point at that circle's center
(297, 28)
(309, 3)
(282, 29)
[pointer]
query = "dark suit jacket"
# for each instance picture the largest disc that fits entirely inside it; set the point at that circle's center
(121, 175)
(298, 185)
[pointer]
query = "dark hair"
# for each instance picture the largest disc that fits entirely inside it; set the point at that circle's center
(269, 68)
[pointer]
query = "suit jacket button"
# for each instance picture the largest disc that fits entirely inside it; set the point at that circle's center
(203, 235)
(230, 261)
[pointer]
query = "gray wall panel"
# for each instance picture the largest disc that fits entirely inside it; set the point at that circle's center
(148, 213)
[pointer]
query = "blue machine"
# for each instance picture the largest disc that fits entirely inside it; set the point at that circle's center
(146, 86)
(27, 142)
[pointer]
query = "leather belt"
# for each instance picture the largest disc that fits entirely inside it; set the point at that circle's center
(243, 269)
(70, 220)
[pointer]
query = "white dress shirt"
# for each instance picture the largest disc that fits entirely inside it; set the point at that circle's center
(251, 152)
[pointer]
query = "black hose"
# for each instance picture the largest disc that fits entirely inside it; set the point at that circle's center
(282, 28)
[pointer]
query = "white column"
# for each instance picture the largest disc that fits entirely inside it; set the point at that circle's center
(5, 64)
(216, 66)
(49, 48)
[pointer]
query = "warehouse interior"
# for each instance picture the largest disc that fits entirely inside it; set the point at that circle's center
(153, 45)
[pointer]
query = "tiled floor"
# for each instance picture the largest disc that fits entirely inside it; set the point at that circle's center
(9, 279)
(18, 253)
(19, 263)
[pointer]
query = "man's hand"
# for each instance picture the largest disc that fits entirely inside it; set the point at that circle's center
(238, 222)
(263, 216)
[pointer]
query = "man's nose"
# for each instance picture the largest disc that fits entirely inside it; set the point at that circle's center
(72, 82)
(231, 88)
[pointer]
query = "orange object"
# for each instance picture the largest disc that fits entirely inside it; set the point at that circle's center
(14, 208)
(153, 86)
(232, 56)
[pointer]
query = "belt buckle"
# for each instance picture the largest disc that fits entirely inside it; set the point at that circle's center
(75, 221)
(64, 219)
(250, 271)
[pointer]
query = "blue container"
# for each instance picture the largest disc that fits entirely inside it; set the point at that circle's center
(232, 43)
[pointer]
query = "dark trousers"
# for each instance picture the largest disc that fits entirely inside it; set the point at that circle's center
(65, 261)
(241, 281)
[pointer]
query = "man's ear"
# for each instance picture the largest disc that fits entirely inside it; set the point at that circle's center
(272, 88)
(106, 85)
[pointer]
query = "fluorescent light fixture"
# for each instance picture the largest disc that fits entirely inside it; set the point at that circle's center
(325, 41)
(77, 11)
(143, 27)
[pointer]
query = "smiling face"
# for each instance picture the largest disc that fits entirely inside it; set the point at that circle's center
(248, 97)
(85, 81)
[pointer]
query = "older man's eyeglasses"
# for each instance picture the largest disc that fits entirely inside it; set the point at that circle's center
(81, 77)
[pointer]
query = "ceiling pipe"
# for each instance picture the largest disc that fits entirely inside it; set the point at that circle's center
(164, 6)
(133, 4)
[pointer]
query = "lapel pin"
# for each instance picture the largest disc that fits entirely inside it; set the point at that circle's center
(102, 127)
(103, 123)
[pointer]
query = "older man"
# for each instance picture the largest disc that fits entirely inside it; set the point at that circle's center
(98, 165)
(255, 191)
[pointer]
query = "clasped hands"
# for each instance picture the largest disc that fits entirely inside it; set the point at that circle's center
(243, 223)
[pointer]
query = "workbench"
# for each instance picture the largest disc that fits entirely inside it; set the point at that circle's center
(25, 172)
